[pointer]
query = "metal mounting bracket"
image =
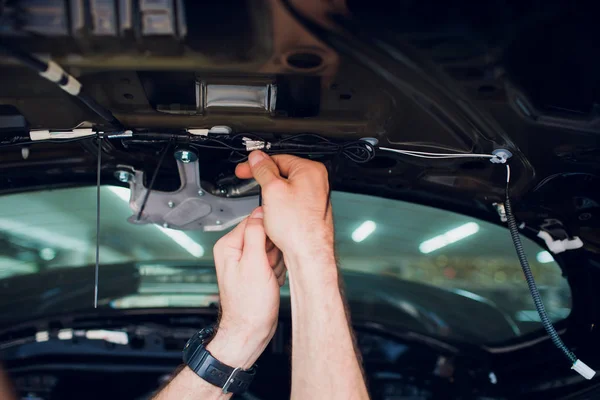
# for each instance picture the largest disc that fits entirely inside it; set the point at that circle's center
(188, 208)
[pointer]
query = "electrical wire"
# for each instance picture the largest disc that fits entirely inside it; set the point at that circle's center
(55, 74)
(423, 154)
(535, 293)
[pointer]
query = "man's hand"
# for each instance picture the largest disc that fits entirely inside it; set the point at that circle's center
(298, 219)
(296, 204)
(250, 270)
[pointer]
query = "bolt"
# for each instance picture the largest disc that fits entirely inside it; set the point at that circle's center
(218, 222)
(165, 225)
(185, 156)
(171, 204)
(123, 176)
(200, 192)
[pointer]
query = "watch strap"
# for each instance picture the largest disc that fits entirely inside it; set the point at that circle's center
(199, 360)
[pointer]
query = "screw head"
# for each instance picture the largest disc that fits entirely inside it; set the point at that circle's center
(223, 191)
(124, 176)
(200, 192)
(218, 222)
(186, 156)
(171, 204)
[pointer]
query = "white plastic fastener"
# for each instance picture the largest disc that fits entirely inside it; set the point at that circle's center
(559, 246)
(583, 369)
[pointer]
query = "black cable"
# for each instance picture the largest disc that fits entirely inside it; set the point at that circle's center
(41, 66)
(535, 293)
(152, 180)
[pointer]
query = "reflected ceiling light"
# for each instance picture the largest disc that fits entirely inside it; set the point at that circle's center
(186, 242)
(449, 237)
(363, 231)
(121, 192)
(47, 254)
(183, 240)
(43, 236)
(544, 257)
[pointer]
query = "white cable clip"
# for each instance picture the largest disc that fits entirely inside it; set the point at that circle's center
(252, 145)
(501, 210)
(501, 156)
(36, 135)
(583, 369)
(559, 246)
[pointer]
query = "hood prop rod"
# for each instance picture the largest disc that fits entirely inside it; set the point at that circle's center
(98, 176)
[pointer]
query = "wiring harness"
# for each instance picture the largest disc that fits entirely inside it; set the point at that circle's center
(576, 364)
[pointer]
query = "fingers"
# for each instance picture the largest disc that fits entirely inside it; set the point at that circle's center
(243, 171)
(232, 243)
(275, 257)
(285, 165)
(270, 245)
(255, 238)
(273, 253)
(263, 168)
(279, 270)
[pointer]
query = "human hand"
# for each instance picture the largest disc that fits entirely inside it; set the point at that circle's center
(295, 194)
(250, 270)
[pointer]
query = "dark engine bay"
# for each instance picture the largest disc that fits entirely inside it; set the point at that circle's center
(130, 354)
(129, 357)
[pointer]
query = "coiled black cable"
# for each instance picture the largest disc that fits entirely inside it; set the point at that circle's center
(535, 293)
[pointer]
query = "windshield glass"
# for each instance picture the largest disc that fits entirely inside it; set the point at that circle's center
(428, 264)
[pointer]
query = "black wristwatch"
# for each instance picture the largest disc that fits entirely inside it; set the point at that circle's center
(229, 379)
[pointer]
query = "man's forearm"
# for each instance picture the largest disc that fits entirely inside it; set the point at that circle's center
(188, 386)
(324, 362)
(228, 347)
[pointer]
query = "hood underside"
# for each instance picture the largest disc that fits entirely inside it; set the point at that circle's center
(497, 76)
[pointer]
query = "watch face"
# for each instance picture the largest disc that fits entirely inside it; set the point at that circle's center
(201, 337)
(206, 333)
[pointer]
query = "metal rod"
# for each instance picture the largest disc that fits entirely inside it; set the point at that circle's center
(98, 175)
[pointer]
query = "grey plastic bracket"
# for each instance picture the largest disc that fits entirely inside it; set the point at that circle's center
(190, 207)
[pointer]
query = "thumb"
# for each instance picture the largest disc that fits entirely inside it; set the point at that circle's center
(263, 168)
(255, 238)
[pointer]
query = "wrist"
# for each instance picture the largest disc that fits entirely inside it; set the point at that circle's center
(312, 272)
(236, 347)
(318, 240)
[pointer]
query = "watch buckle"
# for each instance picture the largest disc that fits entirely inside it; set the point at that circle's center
(230, 380)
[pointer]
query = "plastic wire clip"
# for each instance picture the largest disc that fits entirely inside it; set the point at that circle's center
(501, 156)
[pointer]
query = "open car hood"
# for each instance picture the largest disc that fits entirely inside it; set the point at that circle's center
(343, 70)
(474, 79)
